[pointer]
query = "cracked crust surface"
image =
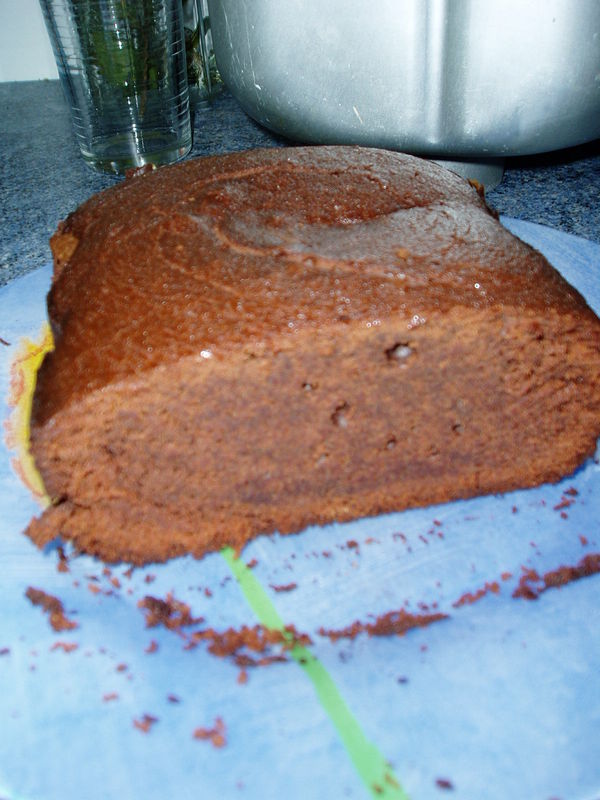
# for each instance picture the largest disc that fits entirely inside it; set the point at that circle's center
(247, 250)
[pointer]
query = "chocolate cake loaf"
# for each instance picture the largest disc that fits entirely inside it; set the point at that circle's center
(259, 341)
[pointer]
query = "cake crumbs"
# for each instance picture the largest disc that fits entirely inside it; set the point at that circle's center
(145, 723)
(173, 698)
(390, 778)
(67, 647)
(394, 623)
(63, 561)
(564, 503)
(284, 587)
(444, 783)
(472, 597)
(53, 607)
(532, 585)
(216, 734)
(152, 647)
(247, 646)
(109, 697)
(171, 613)
(238, 643)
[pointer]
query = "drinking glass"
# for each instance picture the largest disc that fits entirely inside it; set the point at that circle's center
(122, 67)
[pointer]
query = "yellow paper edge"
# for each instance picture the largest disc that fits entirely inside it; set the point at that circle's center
(23, 376)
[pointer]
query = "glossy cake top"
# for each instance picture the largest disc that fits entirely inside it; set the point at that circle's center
(237, 252)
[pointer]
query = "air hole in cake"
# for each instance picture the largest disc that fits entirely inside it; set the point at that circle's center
(339, 416)
(399, 351)
(536, 331)
(391, 443)
(457, 428)
(309, 387)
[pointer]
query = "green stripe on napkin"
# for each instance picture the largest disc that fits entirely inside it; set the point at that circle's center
(368, 761)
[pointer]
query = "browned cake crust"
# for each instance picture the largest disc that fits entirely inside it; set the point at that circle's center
(264, 340)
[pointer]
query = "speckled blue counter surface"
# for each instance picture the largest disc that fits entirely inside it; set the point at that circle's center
(42, 177)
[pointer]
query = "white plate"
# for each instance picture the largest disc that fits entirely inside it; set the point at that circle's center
(502, 699)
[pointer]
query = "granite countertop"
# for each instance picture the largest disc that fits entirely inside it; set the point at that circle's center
(43, 178)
